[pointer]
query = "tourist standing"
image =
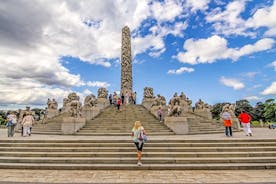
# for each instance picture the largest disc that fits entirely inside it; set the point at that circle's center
(27, 122)
(134, 98)
(136, 134)
(12, 121)
(123, 98)
(227, 121)
(160, 114)
(245, 121)
(110, 99)
(127, 97)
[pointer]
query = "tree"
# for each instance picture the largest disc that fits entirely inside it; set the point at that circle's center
(243, 105)
(270, 110)
(258, 112)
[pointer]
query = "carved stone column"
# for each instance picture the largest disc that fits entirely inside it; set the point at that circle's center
(126, 62)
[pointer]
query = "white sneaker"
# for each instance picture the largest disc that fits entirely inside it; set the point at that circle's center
(139, 163)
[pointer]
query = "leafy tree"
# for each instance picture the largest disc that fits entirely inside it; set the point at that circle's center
(216, 110)
(243, 105)
(258, 112)
(270, 110)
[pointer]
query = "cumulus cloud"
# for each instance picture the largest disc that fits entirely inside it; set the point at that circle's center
(98, 84)
(181, 70)
(230, 82)
(197, 5)
(228, 21)
(273, 64)
(270, 90)
(264, 17)
(214, 48)
(162, 11)
(253, 98)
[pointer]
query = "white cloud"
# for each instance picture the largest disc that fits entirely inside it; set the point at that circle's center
(87, 92)
(197, 5)
(230, 82)
(253, 98)
(98, 84)
(273, 64)
(181, 70)
(213, 48)
(250, 75)
(264, 17)
(229, 20)
(166, 11)
(270, 90)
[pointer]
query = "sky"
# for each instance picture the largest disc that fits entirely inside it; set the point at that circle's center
(214, 50)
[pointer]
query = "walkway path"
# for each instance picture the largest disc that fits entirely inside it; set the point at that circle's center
(152, 176)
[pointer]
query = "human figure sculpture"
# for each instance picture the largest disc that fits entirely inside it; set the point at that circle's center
(52, 104)
(75, 108)
(159, 101)
(148, 92)
(199, 104)
(89, 101)
(174, 103)
(102, 93)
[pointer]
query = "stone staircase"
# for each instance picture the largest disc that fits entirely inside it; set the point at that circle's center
(120, 153)
(113, 122)
(199, 125)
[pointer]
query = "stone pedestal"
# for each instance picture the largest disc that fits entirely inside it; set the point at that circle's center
(177, 124)
(204, 113)
(147, 103)
(102, 103)
(89, 114)
(52, 113)
(71, 125)
(236, 124)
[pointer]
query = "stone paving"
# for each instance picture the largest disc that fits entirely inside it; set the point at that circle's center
(150, 176)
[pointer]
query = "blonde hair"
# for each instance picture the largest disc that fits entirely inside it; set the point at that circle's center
(137, 125)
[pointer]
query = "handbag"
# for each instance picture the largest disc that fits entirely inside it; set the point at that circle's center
(142, 137)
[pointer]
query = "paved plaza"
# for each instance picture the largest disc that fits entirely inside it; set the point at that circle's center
(140, 176)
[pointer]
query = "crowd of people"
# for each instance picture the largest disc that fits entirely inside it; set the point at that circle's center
(123, 99)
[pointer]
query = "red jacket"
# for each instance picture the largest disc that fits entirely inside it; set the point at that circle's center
(244, 118)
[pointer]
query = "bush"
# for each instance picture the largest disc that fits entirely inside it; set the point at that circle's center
(255, 123)
(2, 121)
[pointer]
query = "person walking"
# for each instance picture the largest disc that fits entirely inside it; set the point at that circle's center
(227, 121)
(123, 98)
(137, 137)
(245, 121)
(160, 114)
(27, 122)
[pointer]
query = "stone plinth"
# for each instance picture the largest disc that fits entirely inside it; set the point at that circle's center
(102, 103)
(71, 125)
(147, 103)
(52, 113)
(91, 113)
(236, 124)
(204, 113)
(177, 124)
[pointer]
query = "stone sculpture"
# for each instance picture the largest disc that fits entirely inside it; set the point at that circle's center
(159, 101)
(102, 93)
(126, 62)
(89, 101)
(148, 92)
(52, 104)
(174, 104)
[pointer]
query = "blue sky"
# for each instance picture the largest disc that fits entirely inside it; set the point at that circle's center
(214, 50)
